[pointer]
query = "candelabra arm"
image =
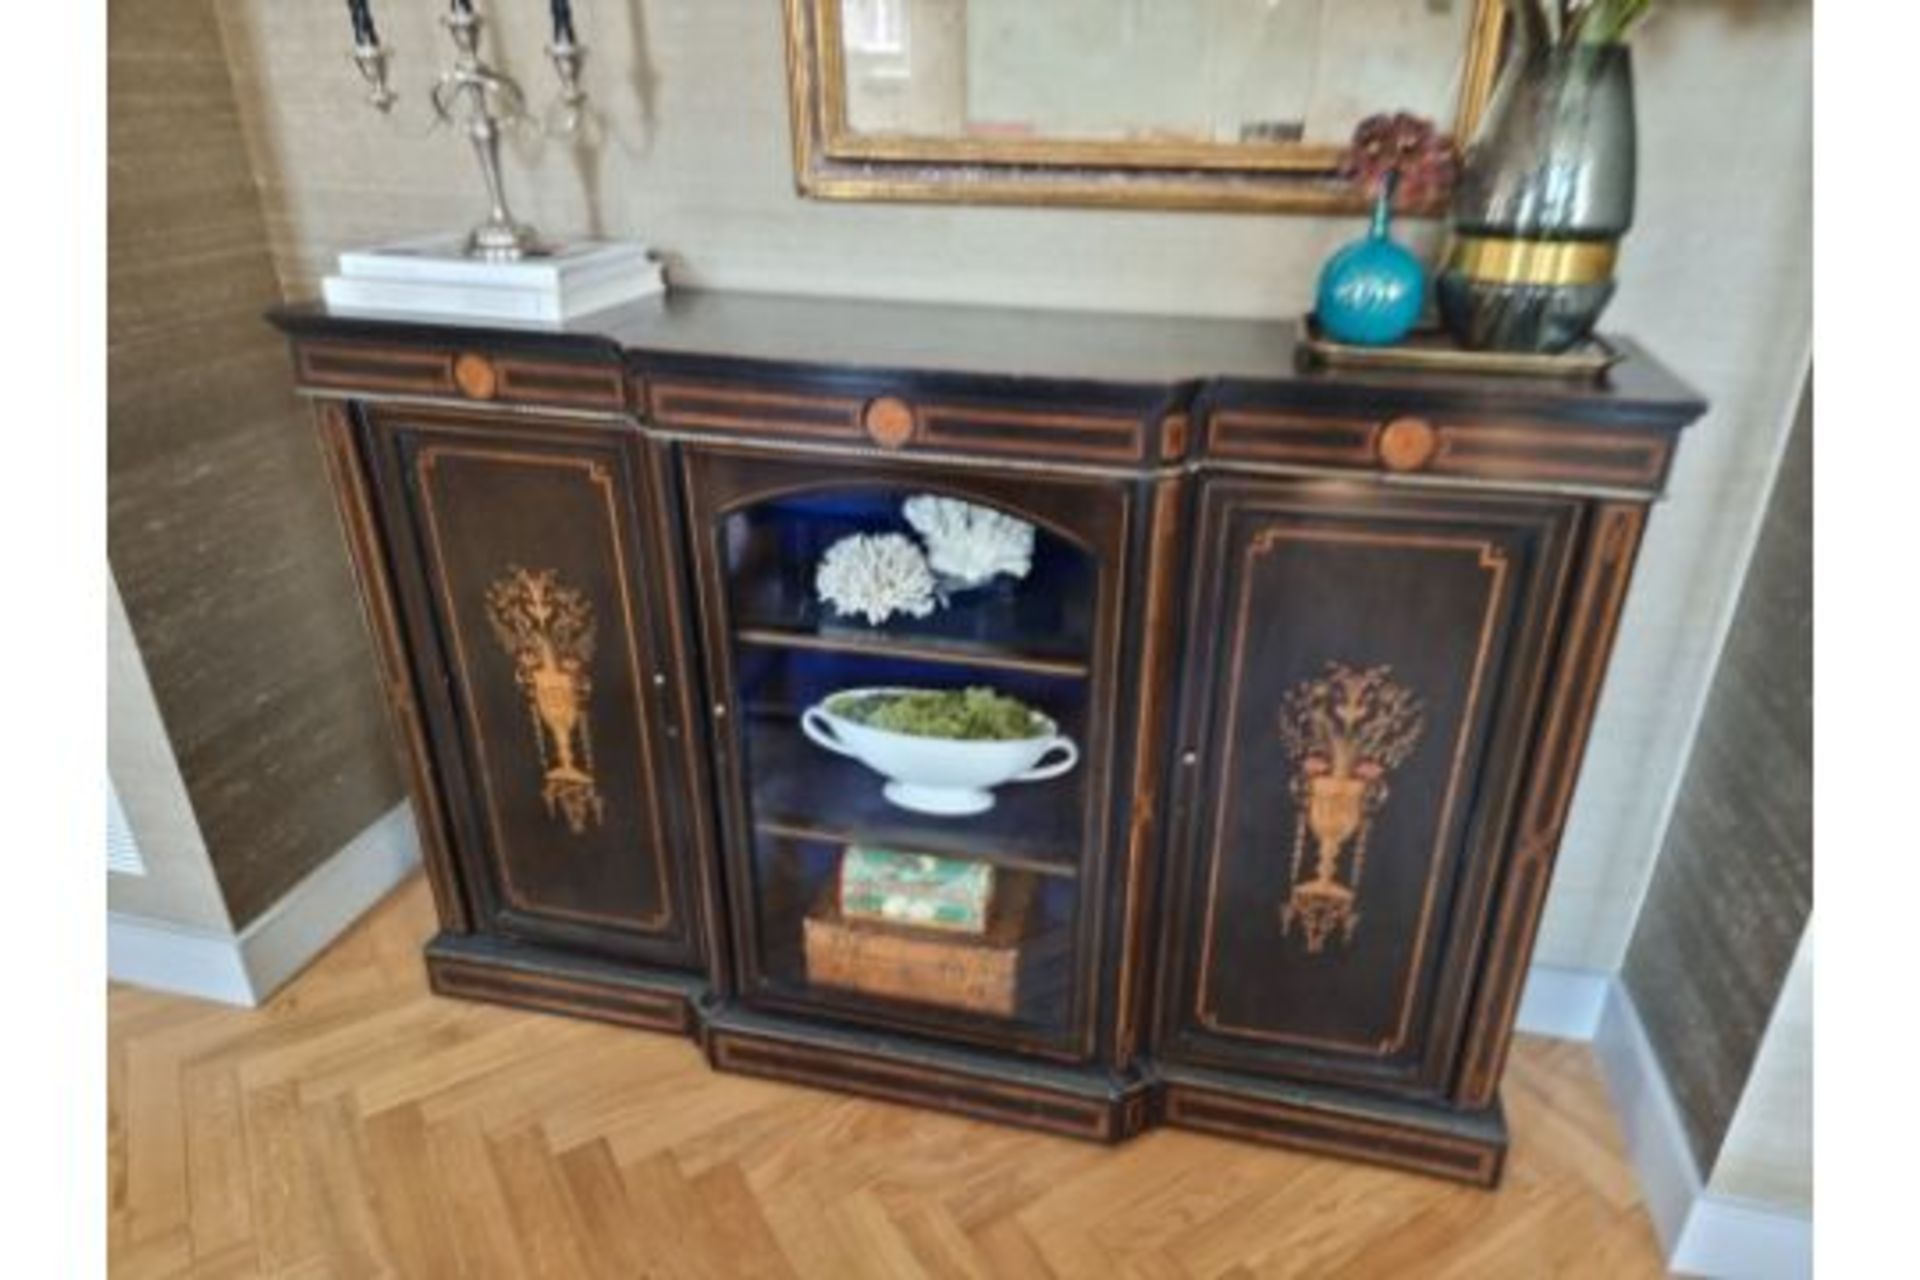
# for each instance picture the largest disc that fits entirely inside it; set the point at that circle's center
(371, 57)
(568, 58)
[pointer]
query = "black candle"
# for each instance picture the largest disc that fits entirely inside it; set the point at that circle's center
(562, 21)
(360, 13)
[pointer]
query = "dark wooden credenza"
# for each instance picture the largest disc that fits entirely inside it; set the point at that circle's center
(1328, 644)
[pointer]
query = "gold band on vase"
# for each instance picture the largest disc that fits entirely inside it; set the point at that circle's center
(1512, 260)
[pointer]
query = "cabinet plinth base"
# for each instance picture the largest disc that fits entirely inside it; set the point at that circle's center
(473, 967)
(1087, 1103)
(1465, 1146)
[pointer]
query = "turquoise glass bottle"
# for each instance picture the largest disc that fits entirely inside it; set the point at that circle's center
(1371, 291)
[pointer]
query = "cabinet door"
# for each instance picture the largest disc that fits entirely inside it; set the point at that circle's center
(1360, 669)
(528, 554)
(802, 797)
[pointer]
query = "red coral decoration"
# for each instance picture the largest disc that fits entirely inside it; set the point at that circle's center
(1407, 151)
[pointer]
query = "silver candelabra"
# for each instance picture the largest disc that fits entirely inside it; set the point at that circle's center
(475, 96)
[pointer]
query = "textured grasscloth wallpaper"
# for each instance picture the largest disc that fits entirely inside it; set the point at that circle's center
(219, 528)
(1730, 896)
(695, 158)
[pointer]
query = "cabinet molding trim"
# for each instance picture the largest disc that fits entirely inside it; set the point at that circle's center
(1048, 433)
(1515, 452)
(898, 1081)
(354, 505)
(1555, 762)
(1158, 629)
(1325, 1129)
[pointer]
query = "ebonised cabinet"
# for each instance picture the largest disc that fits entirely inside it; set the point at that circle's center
(1323, 649)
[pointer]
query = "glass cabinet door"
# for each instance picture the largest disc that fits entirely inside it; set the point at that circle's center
(916, 676)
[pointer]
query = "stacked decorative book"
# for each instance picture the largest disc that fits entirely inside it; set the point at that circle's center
(433, 276)
(942, 931)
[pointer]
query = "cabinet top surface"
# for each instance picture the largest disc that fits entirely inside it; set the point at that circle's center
(792, 335)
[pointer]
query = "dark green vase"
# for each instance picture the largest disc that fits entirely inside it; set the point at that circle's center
(1545, 195)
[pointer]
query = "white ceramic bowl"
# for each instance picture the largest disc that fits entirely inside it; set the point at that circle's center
(949, 776)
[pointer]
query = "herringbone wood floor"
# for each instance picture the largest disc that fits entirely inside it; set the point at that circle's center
(358, 1126)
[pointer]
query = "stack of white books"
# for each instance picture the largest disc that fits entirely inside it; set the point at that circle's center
(432, 276)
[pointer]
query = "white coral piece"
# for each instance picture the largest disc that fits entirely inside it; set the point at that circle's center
(969, 543)
(876, 576)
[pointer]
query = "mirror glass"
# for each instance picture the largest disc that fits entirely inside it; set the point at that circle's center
(1177, 72)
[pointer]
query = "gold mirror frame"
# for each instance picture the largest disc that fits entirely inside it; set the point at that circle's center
(833, 162)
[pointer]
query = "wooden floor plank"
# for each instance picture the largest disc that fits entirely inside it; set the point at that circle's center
(483, 1242)
(736, 1214)
(360, 1126)
(1010, 1250)
(939, 1245)
(871, 1245)
(408, 1198)
(537, 1199)
(168, 1253)
(286, 1204)
(336, 1154)
(603, 1221)
(220, 1208)
(154, 1199)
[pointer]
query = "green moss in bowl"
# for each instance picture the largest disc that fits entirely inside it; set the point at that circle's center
(968, 715)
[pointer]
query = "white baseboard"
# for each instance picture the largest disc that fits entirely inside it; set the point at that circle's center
(1563, 1003)
(1702, 1235)
(167, 957)
(1649, 1118)
(287, 935)
(245, 969)
(1727, 1238)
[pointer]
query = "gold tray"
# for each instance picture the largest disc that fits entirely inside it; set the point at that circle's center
(1433, 351)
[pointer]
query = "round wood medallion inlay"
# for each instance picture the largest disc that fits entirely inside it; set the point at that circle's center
(1407, 444)
(889, 421)
(475, 376)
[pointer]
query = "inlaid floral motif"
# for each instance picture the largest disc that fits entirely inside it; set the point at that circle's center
(1344, 734)
(548, 631)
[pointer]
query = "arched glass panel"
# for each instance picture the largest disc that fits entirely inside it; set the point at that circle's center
(911, 672)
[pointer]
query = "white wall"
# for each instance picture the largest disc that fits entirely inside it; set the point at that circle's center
(1767, 1157)
(177, 887)
(1718, 279)
(696, 160)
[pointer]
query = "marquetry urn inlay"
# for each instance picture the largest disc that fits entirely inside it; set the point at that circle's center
(548, 631)
(1344, 733)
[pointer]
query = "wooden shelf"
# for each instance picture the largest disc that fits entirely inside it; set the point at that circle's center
(804, 792)
(968, 653)
(1045, 626)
